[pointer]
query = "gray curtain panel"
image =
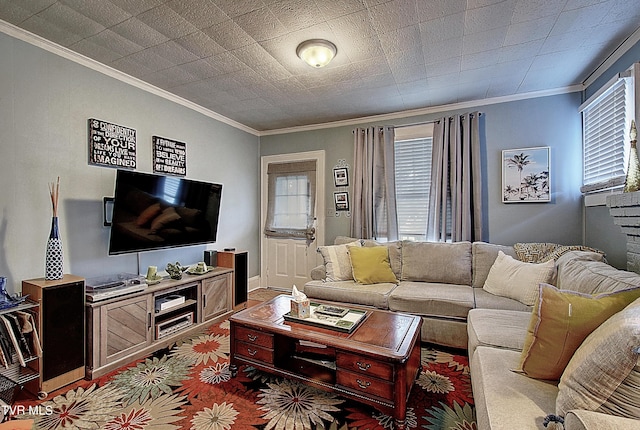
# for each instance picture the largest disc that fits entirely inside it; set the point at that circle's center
(455, 203)
(374, 203)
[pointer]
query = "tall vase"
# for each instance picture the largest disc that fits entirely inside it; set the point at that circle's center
(53, 260)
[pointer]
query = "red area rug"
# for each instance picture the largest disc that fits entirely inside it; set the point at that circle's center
(190, 387)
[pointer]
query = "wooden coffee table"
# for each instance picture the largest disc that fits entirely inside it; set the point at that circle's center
(376, 364)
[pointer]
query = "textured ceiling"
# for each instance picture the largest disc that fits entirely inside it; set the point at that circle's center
(237, 57)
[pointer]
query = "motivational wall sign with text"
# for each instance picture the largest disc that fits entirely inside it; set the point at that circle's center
(111, 144)
(169, 156)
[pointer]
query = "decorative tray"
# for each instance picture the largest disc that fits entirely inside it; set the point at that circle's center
(345, 323)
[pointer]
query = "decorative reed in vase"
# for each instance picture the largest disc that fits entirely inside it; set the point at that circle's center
(53, 259)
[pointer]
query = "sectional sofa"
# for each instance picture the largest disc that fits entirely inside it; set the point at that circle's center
(497, 301)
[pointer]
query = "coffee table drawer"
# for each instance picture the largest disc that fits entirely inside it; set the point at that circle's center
(360, 364)
(365, 384)
(255, 337)
(254, 352)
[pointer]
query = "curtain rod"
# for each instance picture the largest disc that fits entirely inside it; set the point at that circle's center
(435, 121)
(415, 123)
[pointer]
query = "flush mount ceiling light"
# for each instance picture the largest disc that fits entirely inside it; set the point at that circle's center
(316, 52)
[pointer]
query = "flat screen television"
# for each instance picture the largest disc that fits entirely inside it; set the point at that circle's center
(154, 212)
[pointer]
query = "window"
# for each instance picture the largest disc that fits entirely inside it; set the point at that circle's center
(606, 120)
(291, 199)
(413, 147)
(292, 202)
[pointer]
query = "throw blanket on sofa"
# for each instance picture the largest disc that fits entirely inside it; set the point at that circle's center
(533, 252)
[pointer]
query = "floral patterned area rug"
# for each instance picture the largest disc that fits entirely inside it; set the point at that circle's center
(190, 387)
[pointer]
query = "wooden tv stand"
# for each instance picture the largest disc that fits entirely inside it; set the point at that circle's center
(376, 364)
(123, 329)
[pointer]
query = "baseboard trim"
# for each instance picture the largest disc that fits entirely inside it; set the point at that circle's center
(254, 283)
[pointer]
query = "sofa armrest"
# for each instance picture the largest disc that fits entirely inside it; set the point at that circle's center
(588, 420)
(318, 273)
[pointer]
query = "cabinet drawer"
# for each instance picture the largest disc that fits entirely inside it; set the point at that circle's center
(255, 337)
(254, 352)
(365, 384)
(364, 365)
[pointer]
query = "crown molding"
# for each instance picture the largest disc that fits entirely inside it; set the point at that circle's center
(83, 60)
(615, 56)
(427, 110)
(59, 50)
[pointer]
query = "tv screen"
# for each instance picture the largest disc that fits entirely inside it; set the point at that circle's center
(154, 212)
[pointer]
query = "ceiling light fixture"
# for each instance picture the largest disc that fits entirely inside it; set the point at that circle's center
(316, 52)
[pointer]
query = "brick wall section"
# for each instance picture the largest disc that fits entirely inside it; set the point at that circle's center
(625, 210)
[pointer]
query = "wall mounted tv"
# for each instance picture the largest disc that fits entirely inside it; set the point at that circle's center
(154, 212)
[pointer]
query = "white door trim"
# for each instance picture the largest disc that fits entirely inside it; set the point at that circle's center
(319, 157)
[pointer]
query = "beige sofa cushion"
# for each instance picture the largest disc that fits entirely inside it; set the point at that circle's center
(517, 280)
(506, 400)
(593, 277)
(432, 299)
(484, 254)
(446, 263)
(485, 300)
(604, 373)
(376, 295)
(589, 420)
(497, 328)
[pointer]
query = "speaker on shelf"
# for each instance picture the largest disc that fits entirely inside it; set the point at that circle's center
(211, 258)
(239, 262)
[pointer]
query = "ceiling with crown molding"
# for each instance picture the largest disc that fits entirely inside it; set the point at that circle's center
(237, 58)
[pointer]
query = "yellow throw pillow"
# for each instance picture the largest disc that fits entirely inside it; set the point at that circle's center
(560, 321)
(371, 265)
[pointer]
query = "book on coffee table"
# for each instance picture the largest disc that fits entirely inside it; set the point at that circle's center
(331, 317)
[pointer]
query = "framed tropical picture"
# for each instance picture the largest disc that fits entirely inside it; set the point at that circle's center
(525, 175)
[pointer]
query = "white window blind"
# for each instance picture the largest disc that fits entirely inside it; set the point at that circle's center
(413, 182)
(605, 120)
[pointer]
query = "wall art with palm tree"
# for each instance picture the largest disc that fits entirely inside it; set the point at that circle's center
(525, 175)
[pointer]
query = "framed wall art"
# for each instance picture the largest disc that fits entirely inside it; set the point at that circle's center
(525, 175)
(111, 145)
(340, 177)
(341, 200)
(169, 156)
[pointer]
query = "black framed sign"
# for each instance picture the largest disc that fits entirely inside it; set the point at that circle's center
(111, 145)
(169, 156)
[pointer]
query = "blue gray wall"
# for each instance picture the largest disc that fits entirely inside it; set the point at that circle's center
(600, 231)
(45, 102)
(546, 121)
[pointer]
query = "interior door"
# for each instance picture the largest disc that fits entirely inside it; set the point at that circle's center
(285, 261)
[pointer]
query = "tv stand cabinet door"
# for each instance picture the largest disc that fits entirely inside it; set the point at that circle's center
(121, 328)
(216, 296)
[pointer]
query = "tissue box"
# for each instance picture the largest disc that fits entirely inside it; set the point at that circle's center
(300, 309)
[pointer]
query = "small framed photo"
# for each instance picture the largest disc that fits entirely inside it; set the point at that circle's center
(525, 175)
(340, 177)
(341, 200)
